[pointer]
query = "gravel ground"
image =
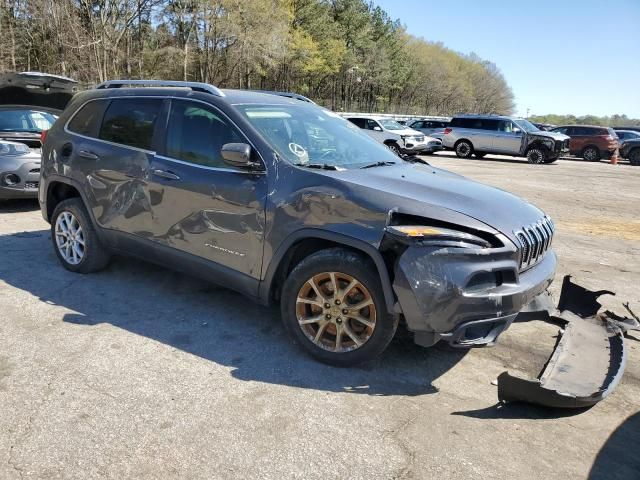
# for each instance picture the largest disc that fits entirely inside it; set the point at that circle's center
(139, 372)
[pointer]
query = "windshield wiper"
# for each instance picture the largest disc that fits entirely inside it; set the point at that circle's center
(321, 166)
(378, 164)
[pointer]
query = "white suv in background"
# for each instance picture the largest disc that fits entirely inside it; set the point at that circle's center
(397, 137)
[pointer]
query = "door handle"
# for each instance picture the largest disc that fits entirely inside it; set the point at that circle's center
(165, 174)
(88, 155)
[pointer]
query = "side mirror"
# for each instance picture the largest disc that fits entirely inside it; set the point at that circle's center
(237, 155)
(377, 129)
(516, 130)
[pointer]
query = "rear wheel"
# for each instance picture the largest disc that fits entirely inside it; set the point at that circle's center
(464, 149)
(591, 154)
(333, 307)
(537, 155)
(75, 240)
(634, 157)
(479, 155)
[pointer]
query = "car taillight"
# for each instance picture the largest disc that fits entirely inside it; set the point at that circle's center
(447, 131)
(43, 135)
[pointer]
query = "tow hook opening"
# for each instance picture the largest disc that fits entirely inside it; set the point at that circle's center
(588, 360)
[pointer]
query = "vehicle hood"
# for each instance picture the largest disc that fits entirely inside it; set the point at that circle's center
(407, 131)
(35, 89)
(415, 188)
(555, 135)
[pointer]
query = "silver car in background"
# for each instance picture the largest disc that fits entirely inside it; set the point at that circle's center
(399, 138)
(29, 105)
(431, 126)
(482, 134)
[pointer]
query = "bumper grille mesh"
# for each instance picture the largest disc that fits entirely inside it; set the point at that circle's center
(535, 240)
(31, 185)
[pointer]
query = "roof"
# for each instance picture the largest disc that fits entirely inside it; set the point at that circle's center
(485, 116)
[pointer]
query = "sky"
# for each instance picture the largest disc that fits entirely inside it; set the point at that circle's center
(565, 56)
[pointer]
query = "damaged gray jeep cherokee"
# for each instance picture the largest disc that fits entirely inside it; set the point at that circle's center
(280, 199)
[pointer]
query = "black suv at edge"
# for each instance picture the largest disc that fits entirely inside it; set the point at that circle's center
(285, 201)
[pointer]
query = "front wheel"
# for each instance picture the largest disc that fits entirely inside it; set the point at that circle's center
(394, 148)
(464, 149)
(479, 155)
(550, 159)
(634, 157)
(591, 154)
(333, 306)
(537, 155)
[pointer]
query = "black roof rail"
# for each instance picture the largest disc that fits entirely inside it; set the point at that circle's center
(295, 96)
(195, 86)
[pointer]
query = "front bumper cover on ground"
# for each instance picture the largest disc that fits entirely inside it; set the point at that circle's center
(588, 360)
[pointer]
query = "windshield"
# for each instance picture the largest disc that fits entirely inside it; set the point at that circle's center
(526, 125)
(20, 120)
(391, 125)
(305, 135)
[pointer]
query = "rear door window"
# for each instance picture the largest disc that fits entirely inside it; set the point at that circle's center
(487, 124)
(88, 119)
(131, 121)
(360, 122)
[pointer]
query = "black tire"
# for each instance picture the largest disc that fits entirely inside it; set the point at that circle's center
(591, 154)
(537, 155)
(95, 255)
(463, 149)
(550, 159)
(359, 268)
(479, 154)
(394, 148)
(634, 157)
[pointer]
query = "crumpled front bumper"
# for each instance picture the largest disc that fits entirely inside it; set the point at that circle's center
(588, 360)
(463, 296)
(27, 168)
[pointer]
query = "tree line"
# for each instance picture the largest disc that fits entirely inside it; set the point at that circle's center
(607, 121)
(348, 55)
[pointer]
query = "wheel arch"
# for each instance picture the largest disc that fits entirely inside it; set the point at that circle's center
(303, 243)
(58, 190)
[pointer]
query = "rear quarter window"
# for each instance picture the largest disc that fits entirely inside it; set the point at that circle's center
(87, 120)
(131, 122)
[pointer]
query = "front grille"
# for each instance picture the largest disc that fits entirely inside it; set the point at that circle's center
(535, 240)
(419, 138)
(31, 185)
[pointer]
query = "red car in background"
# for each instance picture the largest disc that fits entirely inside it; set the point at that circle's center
(590, 142)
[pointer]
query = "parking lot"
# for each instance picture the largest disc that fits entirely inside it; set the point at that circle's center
(141, 372)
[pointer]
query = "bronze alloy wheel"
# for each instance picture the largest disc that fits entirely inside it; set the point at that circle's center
(336, 312)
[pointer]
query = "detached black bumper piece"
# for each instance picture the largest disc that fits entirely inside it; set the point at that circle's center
(587, 362)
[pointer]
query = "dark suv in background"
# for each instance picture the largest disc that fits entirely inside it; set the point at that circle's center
(590, 142)
(285, 201)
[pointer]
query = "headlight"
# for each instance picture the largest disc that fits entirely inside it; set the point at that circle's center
(437, 235)
(10, 148)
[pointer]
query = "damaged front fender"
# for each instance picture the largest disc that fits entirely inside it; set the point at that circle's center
(588, 360)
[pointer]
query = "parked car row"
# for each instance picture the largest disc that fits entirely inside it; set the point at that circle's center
(479, 135)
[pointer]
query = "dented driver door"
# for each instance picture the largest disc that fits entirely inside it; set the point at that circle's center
(202, 206)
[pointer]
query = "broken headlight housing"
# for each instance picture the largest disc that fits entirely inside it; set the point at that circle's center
(437, 236)
(13, 148)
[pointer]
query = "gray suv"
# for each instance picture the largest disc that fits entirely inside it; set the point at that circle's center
(282, 200)
(482, 134)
